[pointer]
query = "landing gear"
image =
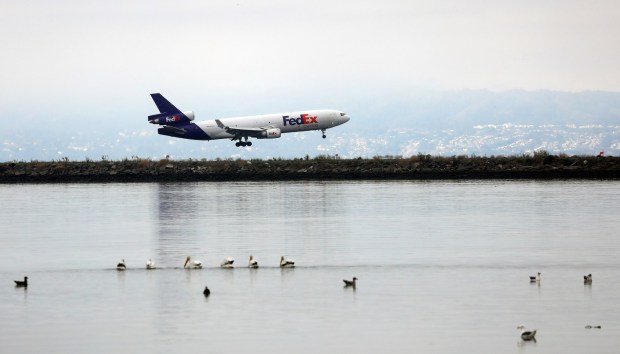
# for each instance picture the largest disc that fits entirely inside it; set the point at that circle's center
(243, 143)
(324, 136)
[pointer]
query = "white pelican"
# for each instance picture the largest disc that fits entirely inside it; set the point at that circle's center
(587, 279)
(351, 283)
(535, 279)
(227, 262)
(21, 284)
(192, 265)
(527, 335)
(286, 263)
(252, 263)
(121, 265)
(150, 264)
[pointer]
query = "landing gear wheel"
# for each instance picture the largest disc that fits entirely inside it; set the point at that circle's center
(237, 144)
(249, 143)
(324, 136)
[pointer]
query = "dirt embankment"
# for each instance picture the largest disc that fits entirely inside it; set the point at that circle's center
(421, 167)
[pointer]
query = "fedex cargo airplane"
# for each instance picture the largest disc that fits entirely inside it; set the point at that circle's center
(268, 126)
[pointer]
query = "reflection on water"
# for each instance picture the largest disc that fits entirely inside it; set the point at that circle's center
(442, 267)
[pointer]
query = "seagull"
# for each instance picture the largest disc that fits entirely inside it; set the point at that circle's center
(150, 264)
(227, 263)
(121, 265)
(21, 284)
(252, 263)
(286, 263)
(207, 292)
(535, 279)
(527, 335)
(587, 279)
(351, 283)
(192, 265)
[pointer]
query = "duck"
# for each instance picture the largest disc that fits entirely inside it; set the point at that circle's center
(527, 335)
(121, 265)
(587, 279)
(193, 264)
(206, 291)
(227, 262)
(150, 264)
(21, 284)
(350, 283)
(252, 263)
(535, 279)
(286, 263)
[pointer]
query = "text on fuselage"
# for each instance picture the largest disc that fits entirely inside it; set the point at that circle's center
(303, 119)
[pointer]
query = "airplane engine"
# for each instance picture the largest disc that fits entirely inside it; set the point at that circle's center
(271, 133)
(172, 119)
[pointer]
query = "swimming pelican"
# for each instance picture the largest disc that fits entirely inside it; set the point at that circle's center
(207, 292)
(21, 284)
(351, 283)
(535, 279)
(528, 335)
(227, 262)
(587, 279)
(286, 263)
(252, 263)
(192, 265)
(121, 265)
(150, 264)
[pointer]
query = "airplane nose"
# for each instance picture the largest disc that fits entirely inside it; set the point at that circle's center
(345, 119)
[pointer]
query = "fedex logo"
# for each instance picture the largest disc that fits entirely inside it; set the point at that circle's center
(173, 119)
(303, 119)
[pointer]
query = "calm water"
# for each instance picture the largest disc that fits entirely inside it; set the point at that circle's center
(443, 267)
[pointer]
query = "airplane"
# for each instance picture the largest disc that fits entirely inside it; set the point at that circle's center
(267, 126)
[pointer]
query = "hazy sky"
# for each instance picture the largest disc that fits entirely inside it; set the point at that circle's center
(100, 55)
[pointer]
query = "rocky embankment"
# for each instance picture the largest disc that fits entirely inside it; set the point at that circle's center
(421, 167)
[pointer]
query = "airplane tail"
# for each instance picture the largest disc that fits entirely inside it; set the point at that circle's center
(168, 113)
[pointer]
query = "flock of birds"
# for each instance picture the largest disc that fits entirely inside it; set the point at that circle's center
(531, 335)
(226, 263)
(526, 335)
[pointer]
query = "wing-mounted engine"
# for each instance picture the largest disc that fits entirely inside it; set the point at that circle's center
(270, 133)
(172, 118)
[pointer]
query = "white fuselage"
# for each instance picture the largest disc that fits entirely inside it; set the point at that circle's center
(286, 122)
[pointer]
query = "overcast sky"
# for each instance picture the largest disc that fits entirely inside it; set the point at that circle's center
(98, 55)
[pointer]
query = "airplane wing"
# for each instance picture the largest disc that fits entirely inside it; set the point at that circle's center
(240, 131)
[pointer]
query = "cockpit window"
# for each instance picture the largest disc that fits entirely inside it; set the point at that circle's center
(342, 114)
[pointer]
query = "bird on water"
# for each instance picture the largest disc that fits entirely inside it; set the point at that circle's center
(534, 279)
(121, 265)
(527, 335)
(207, 292)
(587, 279)
(21, 284)
(193, 264)
(150, 264)
(252, 263)
(350, 283)
(286, 263)
(227, 262)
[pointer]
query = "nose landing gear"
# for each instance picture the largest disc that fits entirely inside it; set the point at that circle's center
(324, 136)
